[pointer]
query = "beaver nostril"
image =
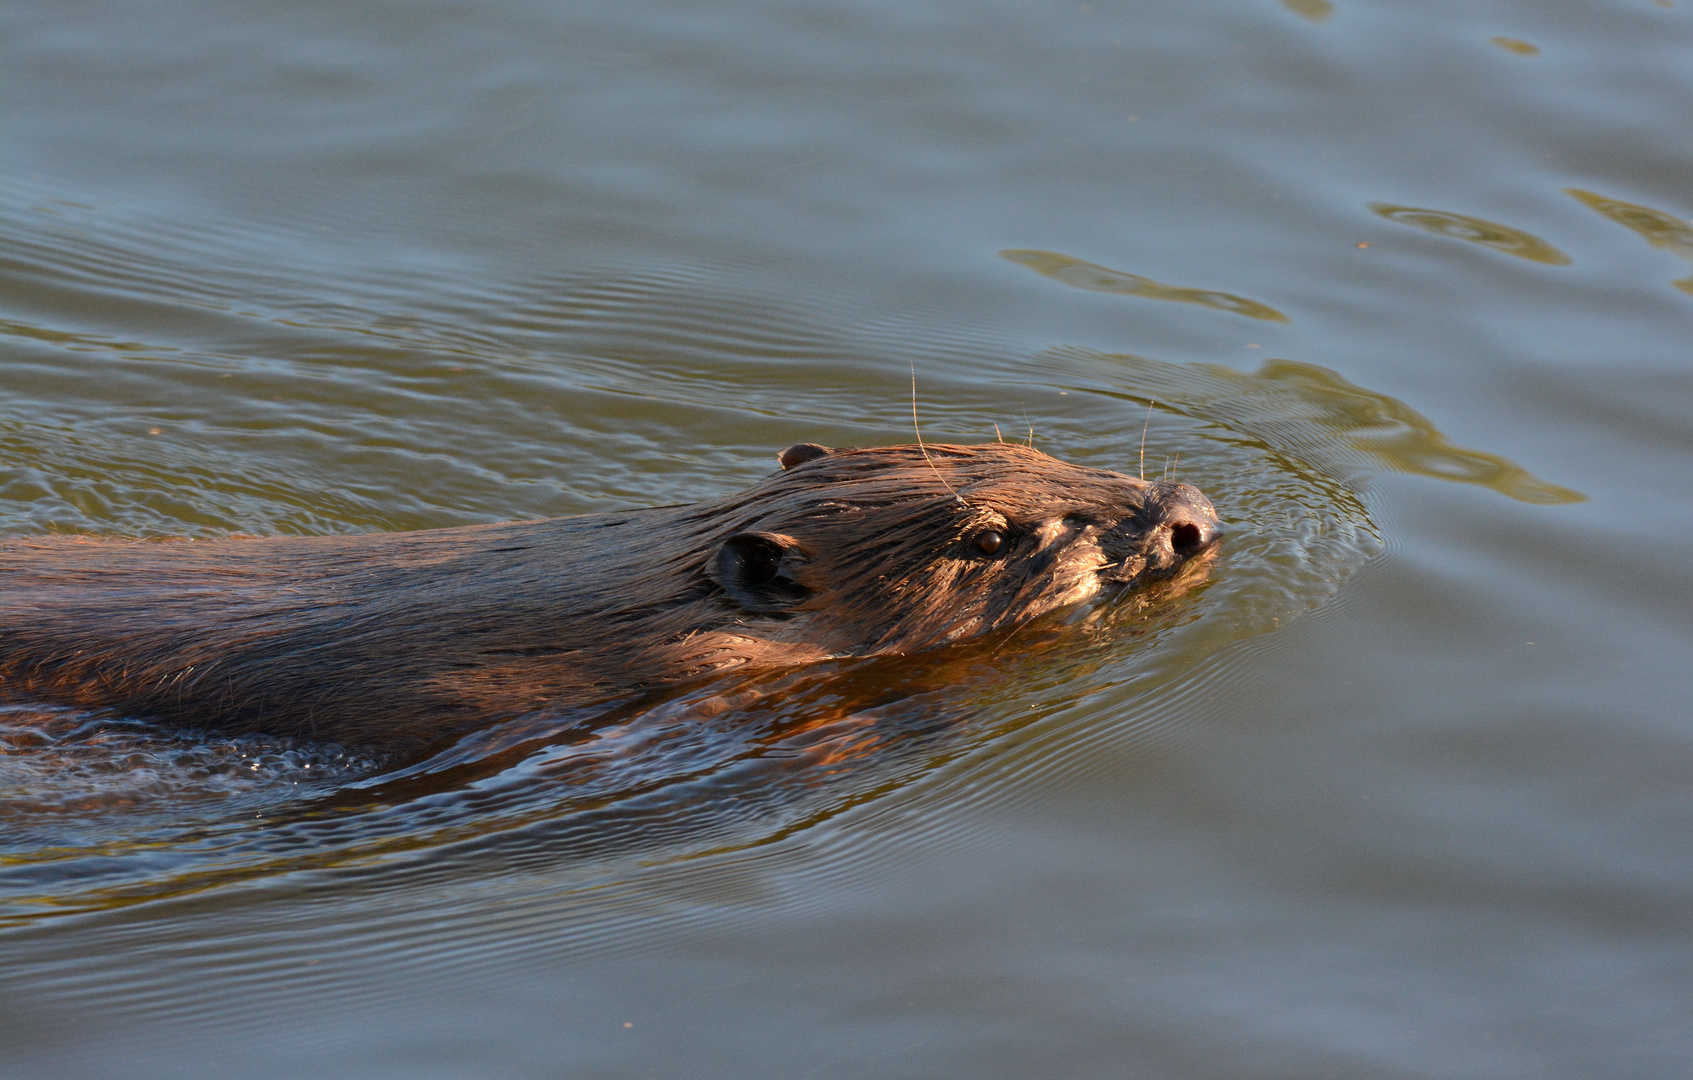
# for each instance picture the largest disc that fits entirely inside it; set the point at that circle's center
(1186, 538)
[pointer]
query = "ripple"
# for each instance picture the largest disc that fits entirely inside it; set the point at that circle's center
(1095, 278)
(1489, 234)
(1657, 228)
(172, 380)
(1334, 426)
(593, 390)
(106, 814)
(1315, 10)
(1516, 46)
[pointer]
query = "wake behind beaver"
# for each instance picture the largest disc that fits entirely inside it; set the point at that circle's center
(398, 640)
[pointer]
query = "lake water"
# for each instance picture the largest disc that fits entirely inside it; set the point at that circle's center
(1404, 789)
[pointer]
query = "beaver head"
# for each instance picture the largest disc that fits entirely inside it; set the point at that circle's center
(897, 549)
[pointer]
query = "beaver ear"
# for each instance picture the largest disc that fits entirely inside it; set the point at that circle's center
(800, 453)
(753, 569)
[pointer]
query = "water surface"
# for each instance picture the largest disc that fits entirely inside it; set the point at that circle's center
(1400, 789)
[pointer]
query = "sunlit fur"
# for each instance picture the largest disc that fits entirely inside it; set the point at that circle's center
(406, 637)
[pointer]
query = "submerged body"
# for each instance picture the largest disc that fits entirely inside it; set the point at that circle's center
(404, 638)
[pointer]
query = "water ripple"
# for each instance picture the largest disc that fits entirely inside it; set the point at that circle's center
(1489, 234)
(1656, 227)
(1095, 278)
(735, 764)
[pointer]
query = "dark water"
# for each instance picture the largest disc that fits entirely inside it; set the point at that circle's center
(1403, 788)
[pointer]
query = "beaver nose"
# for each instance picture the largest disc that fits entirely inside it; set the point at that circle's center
(1193, 522)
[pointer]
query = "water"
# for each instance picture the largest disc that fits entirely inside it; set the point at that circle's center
(1400, 789)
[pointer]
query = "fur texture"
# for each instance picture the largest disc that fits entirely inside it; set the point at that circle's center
(399, 639)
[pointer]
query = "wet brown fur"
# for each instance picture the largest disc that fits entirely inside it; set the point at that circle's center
(399, 639)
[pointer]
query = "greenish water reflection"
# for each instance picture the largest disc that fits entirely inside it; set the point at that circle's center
(1288, 404)
(1659, 229)
(1096, 278)
(1315, 10)
(1489, 234)
(1515, 45)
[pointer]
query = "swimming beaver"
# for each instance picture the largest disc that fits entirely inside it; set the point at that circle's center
(402, 638)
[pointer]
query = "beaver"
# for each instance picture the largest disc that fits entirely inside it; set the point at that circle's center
(402, 639)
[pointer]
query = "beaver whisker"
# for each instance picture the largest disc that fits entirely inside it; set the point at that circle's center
(1150, 402)
(1016, 628)
(919, 432)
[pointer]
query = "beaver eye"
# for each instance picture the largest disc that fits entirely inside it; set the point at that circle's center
(988, 542)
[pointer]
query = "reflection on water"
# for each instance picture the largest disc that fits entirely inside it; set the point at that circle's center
(1475, 230)
(735, 762)
(1326, 419)
(730, 764)
(1659, 229)
(746, 758)
(374, 267)
(67, 767)
(1095, 278)
(1513, 45)
(1315, 10)
(102, 814)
